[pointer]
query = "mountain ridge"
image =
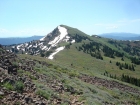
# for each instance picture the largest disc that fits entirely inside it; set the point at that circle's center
(18, 40)
(121, 36)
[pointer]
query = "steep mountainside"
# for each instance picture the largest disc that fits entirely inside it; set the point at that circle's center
(10, 41)
(88, 70)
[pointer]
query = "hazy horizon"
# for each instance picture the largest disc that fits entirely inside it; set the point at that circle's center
(21, 36)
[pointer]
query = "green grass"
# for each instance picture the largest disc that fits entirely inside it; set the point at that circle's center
(1, 97)
(19, 86)
(8, 86)
(71, 63)
(74, 31)
(85, 63)
(44, 94)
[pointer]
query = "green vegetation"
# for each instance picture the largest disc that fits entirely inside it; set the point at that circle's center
(68, 71)
(44, 94)
(106, 59)
(126, 66)
(1, 97)
(73, 31)
(8, 86)
(131, 80)
(19, 86)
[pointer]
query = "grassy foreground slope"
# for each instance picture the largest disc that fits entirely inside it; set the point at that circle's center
(75, 88)
(74, 69)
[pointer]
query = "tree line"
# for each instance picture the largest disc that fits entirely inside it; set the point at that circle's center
(124, 78)
(92, 48)
(130, 80)
(135, 60)
(126, 66)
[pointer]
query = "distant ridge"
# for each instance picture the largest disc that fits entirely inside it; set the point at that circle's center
(121, 36)
(18, 40)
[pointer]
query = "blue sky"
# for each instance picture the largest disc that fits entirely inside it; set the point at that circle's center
(21, 18)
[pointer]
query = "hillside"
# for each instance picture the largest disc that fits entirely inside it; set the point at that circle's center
(35, 80)
(70, 67)
(10, 41)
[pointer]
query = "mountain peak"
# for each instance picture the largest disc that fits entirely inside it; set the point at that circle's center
(57, 30)
(62, 34)
(53, 42)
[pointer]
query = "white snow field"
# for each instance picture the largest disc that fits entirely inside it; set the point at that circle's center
(63, 33)
(56, 51)
(73, 41)
(42, 39)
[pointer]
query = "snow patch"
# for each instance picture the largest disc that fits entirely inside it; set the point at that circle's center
(18, 47)
(29, 46)
(45, 48)
(40, 43)
(56, 51)
(23, 49)
(42, 39)
(63, 33)
(66, 38)
(26, 44)
(73, 41)
(35, 46)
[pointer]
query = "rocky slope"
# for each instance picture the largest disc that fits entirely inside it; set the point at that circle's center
(17, 86)
(17, 89)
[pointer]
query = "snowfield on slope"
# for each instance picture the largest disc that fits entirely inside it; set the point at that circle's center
(63, 33)
(73, 41)
(56, 51)
(42, 39)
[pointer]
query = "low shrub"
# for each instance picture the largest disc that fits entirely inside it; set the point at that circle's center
(8, 86)
(19, 86)
(44, 94)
